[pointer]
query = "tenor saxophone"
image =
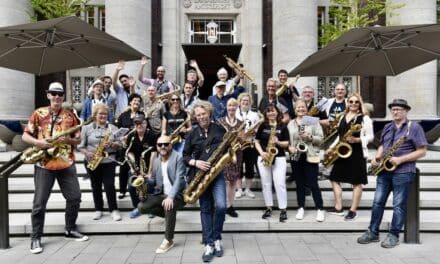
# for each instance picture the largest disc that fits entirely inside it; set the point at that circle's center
(342, 149)
(271, 149)
(100, 152)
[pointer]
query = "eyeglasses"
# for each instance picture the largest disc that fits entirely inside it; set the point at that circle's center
(175, 99)
(60, 94)
(160, 145)
(353, 102)
(397, 109)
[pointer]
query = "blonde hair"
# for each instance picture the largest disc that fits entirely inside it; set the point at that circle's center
(362, 108)
(242, 95)
(202, 104)
(98, 107)
(232, 101)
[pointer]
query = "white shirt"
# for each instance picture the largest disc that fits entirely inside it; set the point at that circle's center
(166, 181)
(249, 117)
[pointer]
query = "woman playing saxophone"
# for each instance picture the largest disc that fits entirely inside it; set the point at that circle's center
(305, 138)
(352, 169)
(273, 135)
(97, 142)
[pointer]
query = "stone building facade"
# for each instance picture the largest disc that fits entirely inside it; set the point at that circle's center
(263, 35)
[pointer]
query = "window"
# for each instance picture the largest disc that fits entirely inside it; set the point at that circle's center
(198, 31)
(95, 16)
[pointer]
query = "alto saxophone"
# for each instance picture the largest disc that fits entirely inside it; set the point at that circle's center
(342, 149)
(384, 163)
(271, 149)
(175, 135)
(247, 135)
(224, 154)
(100, 152)
(34, 154)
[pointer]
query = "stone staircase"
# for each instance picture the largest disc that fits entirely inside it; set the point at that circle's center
(250, 210)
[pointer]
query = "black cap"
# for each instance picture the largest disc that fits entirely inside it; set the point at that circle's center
(138, 118)
(399, 102)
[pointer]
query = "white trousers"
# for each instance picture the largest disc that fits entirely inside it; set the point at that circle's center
(278, 173)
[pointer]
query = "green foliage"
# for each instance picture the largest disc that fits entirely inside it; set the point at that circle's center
(348, 14)
(48, 9)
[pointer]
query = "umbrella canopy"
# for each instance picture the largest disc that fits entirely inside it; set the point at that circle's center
(374, 51)
(60, 44)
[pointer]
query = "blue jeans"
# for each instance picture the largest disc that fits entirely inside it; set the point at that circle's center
(213, 217)
(399, 184)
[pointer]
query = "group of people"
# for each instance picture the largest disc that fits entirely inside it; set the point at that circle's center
(164, 139)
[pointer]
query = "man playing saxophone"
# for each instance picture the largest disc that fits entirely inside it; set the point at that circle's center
(168, 174)
(398, 180)
(139, 141)
(45, 123)
(98, 141)
(201, 142)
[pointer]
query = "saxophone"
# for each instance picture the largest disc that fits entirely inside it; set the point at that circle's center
(331, 131)
(301, 146)
(34, 154)
(271, 149)
(175, 135)
(384, 163)
(239, 68)
(248, 143)
(100, 152)
(169, 94)
(224, 154)
(284, 86)
(342, 149)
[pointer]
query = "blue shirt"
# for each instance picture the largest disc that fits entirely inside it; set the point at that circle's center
(415, 139)
(219, 104)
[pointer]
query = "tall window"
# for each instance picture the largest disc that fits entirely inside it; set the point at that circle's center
(225, 30)
(326, 84)
(95, 15)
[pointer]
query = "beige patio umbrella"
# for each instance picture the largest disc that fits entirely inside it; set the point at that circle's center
(60, 44)
(374, 51)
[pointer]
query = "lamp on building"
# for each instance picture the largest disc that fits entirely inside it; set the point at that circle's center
(212, 31)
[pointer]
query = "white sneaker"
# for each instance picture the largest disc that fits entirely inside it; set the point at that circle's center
(98, 215)
(320, 215)
(249, 193)
(300, 214)
(116, 215)
(238, 193)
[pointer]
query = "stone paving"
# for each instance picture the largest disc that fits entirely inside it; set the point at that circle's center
(242, 248)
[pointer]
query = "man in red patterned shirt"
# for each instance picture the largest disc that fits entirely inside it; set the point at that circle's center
(44, 124)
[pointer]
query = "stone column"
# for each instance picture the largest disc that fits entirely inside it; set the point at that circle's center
(171, 49)
(130, 21)
(419, 85)
(17, 96)
(295, 27)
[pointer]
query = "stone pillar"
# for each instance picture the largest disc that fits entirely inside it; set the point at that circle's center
(419, 85)
(17, 94)
(171, 49)
(130, 21)
(295, 27)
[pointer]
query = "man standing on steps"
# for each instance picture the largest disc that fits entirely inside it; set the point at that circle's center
(405, 141)
(45, 123)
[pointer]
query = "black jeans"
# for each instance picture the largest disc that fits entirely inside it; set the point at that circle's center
(123, 177)
(44, 180)
(307, 176)
(153, 205)
(103, 174)
(249, 160)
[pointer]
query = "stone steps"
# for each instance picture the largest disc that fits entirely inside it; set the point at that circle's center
(189, 221)
(250, 210)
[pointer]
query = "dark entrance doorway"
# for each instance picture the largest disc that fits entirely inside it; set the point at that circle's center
(210, 58)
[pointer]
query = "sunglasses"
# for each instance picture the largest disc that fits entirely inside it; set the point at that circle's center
(56, 93)
(163, 144)
(175, 99)
(353, 102)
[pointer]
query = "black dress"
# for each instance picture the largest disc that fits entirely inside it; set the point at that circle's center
(353, 169)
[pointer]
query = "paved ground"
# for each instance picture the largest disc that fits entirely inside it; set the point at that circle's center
(241, 248)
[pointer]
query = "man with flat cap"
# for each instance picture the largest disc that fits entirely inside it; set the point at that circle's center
(45, 123)
(406, 142)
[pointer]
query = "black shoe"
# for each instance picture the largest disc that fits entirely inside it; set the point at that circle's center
(267, 213)
(77, 236)
(335, 211)
(350, 216)
(283, 216)
(290, 179)
(121, 196)
(231, 212)
(36, 246)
